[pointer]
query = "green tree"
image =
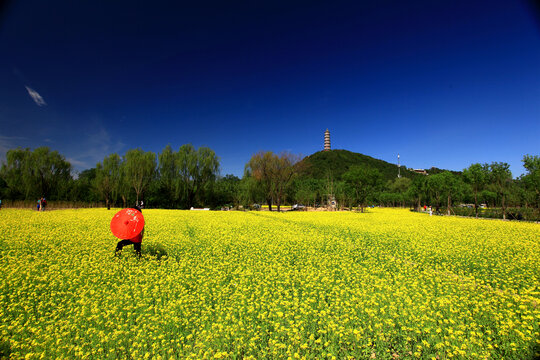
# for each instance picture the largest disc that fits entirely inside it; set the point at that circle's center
(226, 191)
(124, 186)
(488, 197)
(532, 178)
(35, 173)
(281, 175)
(186, 162)
(364, 181)
(250, 190)
(345, 194)
(389, 198)
(307, 191)
(3, 188)
(261, 167)
(51, 170)
(476, 176)
(197, 170)
(451, 187)
(401, 185)
(435, 185)
(139, 169)
(17, 174)
(418, 191)
(500, 178)
(168, 175)
(83, 188)
(273, 173)
(108, 177)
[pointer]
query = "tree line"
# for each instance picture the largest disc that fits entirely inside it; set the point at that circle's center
(190, 177)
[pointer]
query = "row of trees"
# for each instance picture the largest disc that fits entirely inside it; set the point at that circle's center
(190, 177)
(30, 174)
(491, 184)
(180, 178)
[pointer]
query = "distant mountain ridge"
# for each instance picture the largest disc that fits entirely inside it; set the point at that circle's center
(337, 162)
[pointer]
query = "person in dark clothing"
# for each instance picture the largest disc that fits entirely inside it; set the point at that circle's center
(135, 241)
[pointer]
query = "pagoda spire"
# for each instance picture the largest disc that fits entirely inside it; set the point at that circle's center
(326, 140)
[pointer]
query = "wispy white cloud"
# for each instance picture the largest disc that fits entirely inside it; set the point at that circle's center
(38, 99)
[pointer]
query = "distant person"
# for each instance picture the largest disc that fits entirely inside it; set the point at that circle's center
(135, 241)
(43, 203)
(39, 205)
(141, 205)
(0, 204)
(425, 208)
(430, 211)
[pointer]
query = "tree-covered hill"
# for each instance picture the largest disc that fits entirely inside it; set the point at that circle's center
(336, 162)
(435, 170)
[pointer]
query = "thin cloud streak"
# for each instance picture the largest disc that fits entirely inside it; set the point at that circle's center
(81, 164)
(38, 99)
(8, 143)
(97, 146)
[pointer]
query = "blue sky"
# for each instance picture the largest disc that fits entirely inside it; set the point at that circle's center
(443, 83)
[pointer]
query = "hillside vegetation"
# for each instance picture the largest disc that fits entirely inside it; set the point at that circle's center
(337, 162)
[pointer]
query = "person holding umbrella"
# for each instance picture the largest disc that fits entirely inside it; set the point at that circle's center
(128, 225)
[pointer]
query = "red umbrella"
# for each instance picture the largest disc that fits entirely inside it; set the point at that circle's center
(127, 223)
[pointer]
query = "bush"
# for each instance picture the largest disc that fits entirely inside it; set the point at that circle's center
(527, 214)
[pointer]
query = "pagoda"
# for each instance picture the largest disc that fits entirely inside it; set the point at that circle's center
(326, 140)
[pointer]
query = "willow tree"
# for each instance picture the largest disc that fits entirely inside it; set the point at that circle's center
(532, 177)
(500, 178)
(35, 173)
(108, 177)
(196, 171)
(273, 173)
(16, 173)
(282, 173)
(139, 168)
(260, 168)
(167, 172)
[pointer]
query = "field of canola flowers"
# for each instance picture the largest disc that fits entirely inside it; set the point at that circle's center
(386, 284)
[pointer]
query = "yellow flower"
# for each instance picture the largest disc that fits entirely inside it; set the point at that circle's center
(265, 285)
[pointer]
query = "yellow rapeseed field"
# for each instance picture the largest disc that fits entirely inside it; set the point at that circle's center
(386, 284)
